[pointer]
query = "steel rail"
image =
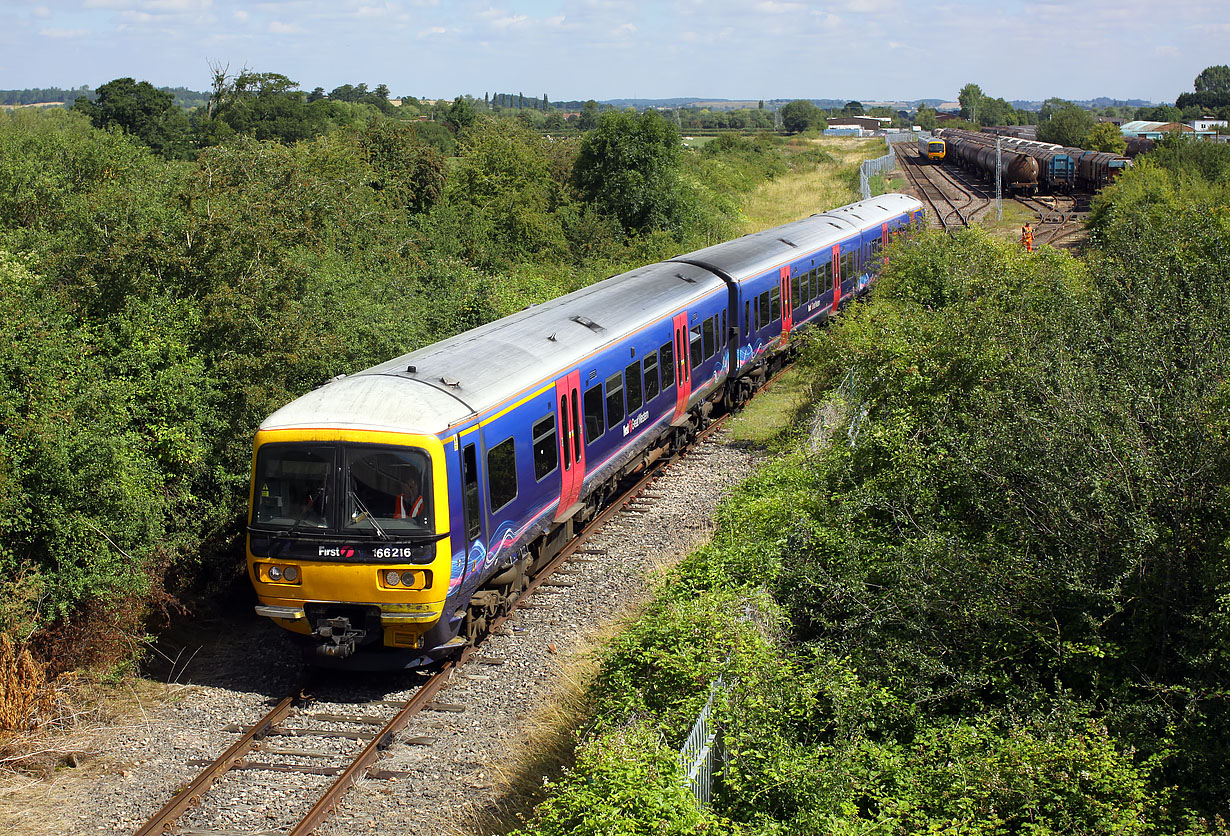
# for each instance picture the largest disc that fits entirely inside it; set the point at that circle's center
(191, 794)
(371, 752)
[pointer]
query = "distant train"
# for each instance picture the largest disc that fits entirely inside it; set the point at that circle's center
(1028, 166)
(931, 148)
(394, 512)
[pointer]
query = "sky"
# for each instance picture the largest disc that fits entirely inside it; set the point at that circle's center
(869, 50)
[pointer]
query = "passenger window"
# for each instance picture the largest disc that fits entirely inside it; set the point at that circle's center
(502, 474)
(723, 336)
(828, 276)
(747, 318)
(775, 304)
(651, 377)
(795, 291)
(614, 400)
(762, 315)
(710, 342)
(469, 478)
(594, 422)
(632, 380)
(668, 365)
(695, 344)
(546, 446)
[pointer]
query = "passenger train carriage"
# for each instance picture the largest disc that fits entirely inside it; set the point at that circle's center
(395, 511)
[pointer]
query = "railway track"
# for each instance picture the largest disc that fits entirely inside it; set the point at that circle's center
(949, 210)
(1060, 217)
(335, 738)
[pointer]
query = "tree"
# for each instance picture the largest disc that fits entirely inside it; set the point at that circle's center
(1064, 123)
(1212, 90)
(628, 168)
(588, 119)
(925, 118)
(1214, 80)
(1105, 136)
(139, 109)
(970, 98)
(853, 109)
(461, 114)
(800, 114)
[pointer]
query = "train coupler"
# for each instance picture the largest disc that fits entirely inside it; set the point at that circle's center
(338, 638)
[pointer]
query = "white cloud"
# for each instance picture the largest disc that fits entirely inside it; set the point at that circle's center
(240, 15)
(278, 27)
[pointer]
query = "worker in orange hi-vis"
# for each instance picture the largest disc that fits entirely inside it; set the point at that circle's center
(409, 503)
(1027, 237)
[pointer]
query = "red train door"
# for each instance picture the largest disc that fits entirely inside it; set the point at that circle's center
(683, 365)
(571, 448)
(836, 276)
(884, 234)
(787, 305)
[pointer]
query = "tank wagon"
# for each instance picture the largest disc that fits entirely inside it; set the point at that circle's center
(394, 511)
(1060, 169)
(972, 151)
(931, 148)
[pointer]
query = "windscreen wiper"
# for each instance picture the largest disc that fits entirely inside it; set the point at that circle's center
(367, 515)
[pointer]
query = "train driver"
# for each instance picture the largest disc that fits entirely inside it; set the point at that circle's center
(409, 503)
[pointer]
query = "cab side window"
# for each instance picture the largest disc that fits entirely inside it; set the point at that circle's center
(502, 474)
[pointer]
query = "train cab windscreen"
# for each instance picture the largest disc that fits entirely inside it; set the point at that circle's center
(343, 489)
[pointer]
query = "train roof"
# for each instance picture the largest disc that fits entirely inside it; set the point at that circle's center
(443, 384)
(751, 255)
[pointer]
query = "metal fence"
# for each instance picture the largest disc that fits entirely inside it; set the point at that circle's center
(700, 751)
(870, 168)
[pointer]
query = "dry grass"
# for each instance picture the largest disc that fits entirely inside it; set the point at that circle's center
(546, 742)
(824, 187)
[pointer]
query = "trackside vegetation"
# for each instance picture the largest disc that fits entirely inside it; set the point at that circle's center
(999, 605)
(158, 308)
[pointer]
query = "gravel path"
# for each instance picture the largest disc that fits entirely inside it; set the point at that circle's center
(449, 783)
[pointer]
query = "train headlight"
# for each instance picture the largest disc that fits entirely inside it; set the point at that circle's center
(407, 579)
(275, 573)
(291, 574)
(391, 577)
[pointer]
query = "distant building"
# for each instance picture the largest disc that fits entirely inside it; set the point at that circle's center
(1152, 130)
(1208, 123)
(867, 123)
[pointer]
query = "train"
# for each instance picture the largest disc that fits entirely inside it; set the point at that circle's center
(396, 511)
(1028, 166)
(931, 148)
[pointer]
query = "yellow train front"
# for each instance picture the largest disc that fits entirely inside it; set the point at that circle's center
(932, 149)
(344, 539)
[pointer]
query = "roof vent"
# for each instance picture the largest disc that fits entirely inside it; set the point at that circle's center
(587, 322)
(551, 336)
(688, 279)
(448, 381)
(411, 369)
(788, 243)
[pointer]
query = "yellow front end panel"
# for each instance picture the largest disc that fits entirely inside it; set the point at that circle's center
(406, 612)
